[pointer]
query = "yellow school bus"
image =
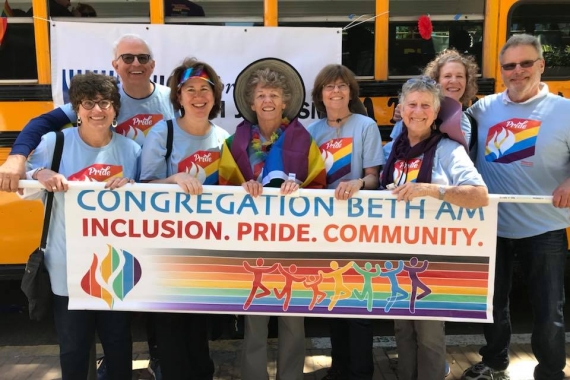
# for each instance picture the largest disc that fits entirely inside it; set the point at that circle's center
(381, 44)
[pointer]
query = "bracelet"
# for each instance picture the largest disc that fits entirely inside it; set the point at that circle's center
(35, 173)
(363, 183)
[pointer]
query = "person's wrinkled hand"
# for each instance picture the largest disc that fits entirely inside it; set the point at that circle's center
(289, 187)
(11, 172)
(115, 183)
(347, 189)
(189, 184)
(561, 195)
(52, 181)
(253, 188)
(411, 190)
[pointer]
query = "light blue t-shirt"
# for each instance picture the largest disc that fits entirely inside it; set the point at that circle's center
(137, 116)
(348, 150)
(79, 162)
(196, 155)
(451, 166)
(524, 148)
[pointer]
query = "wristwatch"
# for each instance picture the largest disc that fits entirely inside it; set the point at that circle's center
(441, 192)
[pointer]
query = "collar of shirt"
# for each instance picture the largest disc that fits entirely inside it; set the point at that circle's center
(542, 92)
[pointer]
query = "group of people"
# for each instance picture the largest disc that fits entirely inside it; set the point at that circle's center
(522, 147)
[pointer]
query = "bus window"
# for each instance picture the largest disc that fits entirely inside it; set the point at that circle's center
(18, 48)
(102, 11)
(551, 24)
(457, 24)
(357, 39)
(218, 13)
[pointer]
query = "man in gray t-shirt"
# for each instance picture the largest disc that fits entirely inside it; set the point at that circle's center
(524, 140)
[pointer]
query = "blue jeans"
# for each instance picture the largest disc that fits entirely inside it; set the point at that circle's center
(543, 258)
(76, 332)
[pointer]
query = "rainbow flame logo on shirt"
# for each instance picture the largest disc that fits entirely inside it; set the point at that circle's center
(97, 173)
(511, 140)
(136, 128)
(202, 165)
(337, 154)
(405, 172)
(114, 278)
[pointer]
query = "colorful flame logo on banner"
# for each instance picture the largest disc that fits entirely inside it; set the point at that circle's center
(125, 277)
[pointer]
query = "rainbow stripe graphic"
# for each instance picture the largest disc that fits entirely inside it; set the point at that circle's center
(448, 287)
(337, 154)
(512, 140)
(206, 171)
(128, 274)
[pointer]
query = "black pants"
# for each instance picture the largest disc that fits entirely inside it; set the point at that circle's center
(76, 332)
(351, 348)
(183, 346)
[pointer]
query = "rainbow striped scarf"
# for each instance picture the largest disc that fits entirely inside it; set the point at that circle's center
(294, 152)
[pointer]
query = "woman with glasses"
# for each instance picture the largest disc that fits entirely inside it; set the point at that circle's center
(457, 77)
(271, 148)
(351, 146)
(87, 149)
(186, 151)
(429, 158)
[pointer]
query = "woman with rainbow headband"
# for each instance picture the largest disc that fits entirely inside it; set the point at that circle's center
(271, 148)
(186, 151)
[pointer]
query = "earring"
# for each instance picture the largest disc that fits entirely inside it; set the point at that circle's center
(78, 121)
(114, 123)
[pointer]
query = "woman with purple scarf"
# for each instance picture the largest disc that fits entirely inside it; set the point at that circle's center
(429, 158)
(271, 148)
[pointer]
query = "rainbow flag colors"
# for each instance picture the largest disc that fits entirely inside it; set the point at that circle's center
(444, 287)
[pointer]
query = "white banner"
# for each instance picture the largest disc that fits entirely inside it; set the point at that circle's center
(150, 247)
(79, 47)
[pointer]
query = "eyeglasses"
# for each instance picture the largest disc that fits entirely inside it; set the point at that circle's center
(331, 87)
(130, 58)
(103, 104)
(423, 79)
(524, 64)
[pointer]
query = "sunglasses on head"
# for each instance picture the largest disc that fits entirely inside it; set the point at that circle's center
(130, 58)
(524, 64)
(423, 79)
(90, 104)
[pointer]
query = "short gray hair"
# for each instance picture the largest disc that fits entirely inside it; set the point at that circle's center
(422, 84)
(130, 37)
(521, 40)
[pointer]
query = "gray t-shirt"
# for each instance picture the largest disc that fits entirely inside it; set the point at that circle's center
(196, 155)
(524, 148)
(348, 150)
(79, 162)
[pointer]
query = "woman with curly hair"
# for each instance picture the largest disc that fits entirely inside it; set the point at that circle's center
(456, 75)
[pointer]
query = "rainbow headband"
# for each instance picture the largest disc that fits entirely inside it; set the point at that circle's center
(191, 73)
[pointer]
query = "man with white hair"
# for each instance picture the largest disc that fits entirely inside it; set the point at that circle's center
(524, 148)
(143, 104)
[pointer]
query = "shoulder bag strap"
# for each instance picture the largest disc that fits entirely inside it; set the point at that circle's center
(54, 167)
(169, 138)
